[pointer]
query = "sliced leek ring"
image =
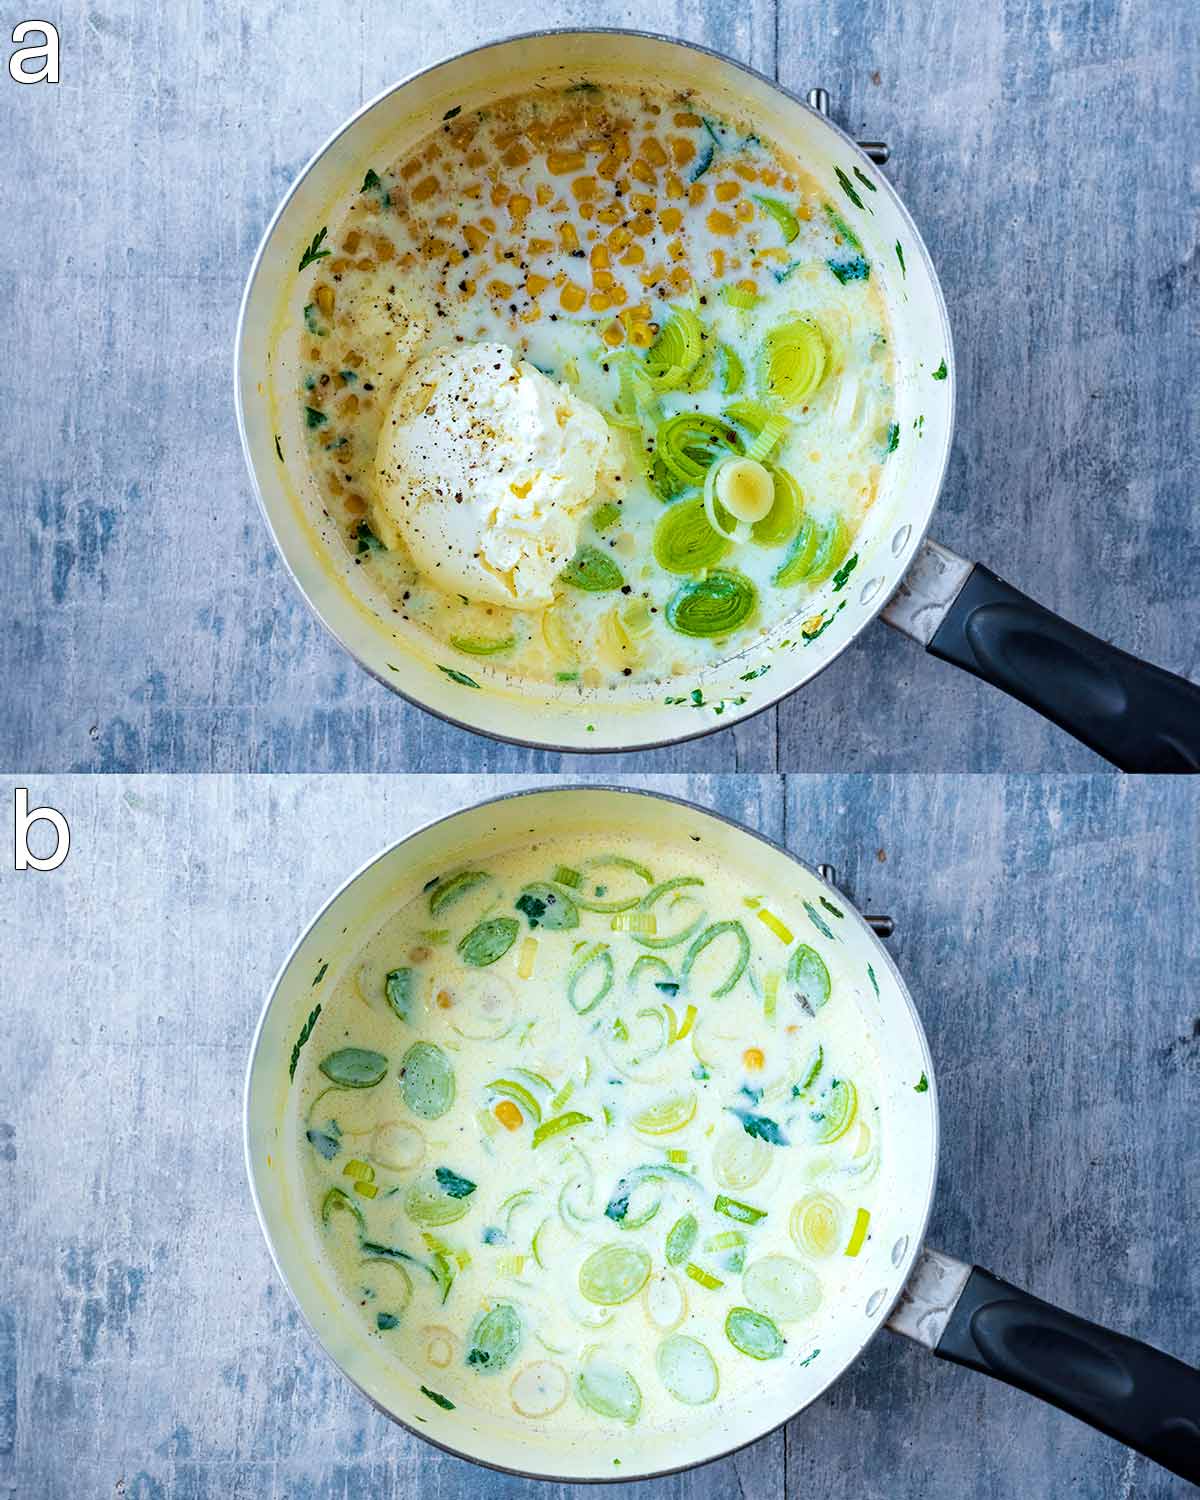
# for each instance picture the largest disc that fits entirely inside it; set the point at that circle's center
(684, 540)
(745, 488)
(792, 362)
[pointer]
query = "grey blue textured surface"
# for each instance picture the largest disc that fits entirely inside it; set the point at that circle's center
(1047, 929)
(1041, 146)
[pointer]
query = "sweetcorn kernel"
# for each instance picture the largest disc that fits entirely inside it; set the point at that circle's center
(572, 297)
(561, 162)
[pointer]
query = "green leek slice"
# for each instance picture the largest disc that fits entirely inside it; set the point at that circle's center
(652, 897)
(427, 1202)
(750, 414)
(684, 542)
(831, 552)
(668, 1115)
(733, 372)
(839, 1111)
(792, 362)
(753, 1334)
(605, 515)
(354, 1067)
(676, 351)
(773, 432)
(681, 1238)
(780, 522)
(614, 903)
(427, 1080)
(488, 941)
(858, 1235)
(797, 564)
(713, 606)
(702, 1277)
(558, 1125)
(496, 1339)
(398, 988)
(712, 934)
(815, 1225)
(544, 906)
(594, 962)
(809, 976)
(336, 1201)
(781, 1288)
(614, 1274)
(593, 571)
(446, 892)
(475, 645)
(687, 1370)
(735, 1209)
(689, 442)
(609, 1391)
(789, 226)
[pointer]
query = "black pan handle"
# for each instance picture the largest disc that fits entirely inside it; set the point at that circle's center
(1133, 1392)
(1138, 716)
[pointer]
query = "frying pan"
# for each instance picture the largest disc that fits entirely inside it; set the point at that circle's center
(1136, 715)
(1137, 1394)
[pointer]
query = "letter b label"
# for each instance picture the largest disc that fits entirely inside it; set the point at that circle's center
(24, 821)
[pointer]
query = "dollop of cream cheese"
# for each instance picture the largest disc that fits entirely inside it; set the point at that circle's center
(485, 470)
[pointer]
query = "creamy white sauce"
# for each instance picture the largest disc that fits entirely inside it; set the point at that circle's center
(488, 1233)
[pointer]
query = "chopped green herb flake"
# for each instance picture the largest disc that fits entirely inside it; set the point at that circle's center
(818, 921)
(941, 372)
(900, 258)
(452, 1184)
(893, 438)
(829, 906)
(922, 1085)
(321, 973)
(314, 251)
(366, 539)
(450, 113)
(386, 1320)
(865, 180)
(844, 572)
(848, 188)
(850, 270)
(371, 181)
(443, 1401)
(278, 449)
(871, 977)
(305, 1032)
(313, 417)
(456, 676)
(761, 1127)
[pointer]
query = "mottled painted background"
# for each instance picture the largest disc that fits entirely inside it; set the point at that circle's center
(1044, 147)
(1047, 929)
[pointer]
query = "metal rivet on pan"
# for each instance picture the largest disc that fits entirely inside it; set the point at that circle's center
(900, 540)
(870, 590)
(875, 1301)
(898, 1249)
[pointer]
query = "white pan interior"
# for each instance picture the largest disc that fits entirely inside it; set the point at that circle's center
(909, 1152)
(402, 655)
